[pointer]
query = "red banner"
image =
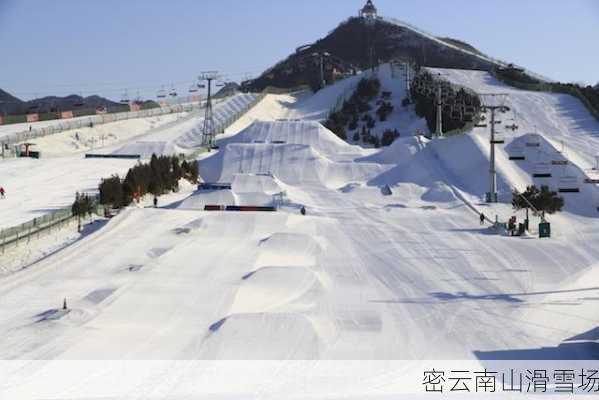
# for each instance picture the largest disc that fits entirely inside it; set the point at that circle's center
(66, 114)
(135, 107)
(1, 119)
(33, 117)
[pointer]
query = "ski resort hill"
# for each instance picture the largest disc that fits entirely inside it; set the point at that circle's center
(390, 261)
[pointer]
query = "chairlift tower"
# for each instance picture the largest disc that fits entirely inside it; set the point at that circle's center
(493, 103)
(439, 103)
(208, 130)
(408, 81)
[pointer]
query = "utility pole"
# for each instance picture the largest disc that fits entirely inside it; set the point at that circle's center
(208, 132)
(493, 107)
(408, 81)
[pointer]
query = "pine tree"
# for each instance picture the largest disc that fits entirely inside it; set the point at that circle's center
(543, 200)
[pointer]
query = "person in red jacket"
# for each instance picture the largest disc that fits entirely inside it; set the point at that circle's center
(2, 192)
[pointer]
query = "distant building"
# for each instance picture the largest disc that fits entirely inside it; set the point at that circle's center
(369, 12)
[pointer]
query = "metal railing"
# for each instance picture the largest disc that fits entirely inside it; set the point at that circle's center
(25, 231)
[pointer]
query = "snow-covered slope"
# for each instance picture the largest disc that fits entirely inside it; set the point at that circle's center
(37, 187)
(566, 132)
(367, 274)
(444, 43)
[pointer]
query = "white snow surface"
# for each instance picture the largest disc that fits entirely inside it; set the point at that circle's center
(363, 276)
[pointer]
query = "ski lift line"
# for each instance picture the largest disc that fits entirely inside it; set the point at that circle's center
(111, 87)
(130, 84)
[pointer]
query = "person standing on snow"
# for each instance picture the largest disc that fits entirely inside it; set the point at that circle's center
(2, 192)
(303, 210)
(482, 218)
(155, 201)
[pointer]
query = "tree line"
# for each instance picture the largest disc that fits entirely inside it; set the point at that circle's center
(160, 176)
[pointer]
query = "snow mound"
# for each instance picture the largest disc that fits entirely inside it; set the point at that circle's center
(439, 193)
(250, 183)
(262, 336)
(271, 288)
(293, 164)
(310, 133)
(292, 249)
(200, 199)
(402, 150)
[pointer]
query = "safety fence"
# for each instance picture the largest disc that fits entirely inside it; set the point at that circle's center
(34, 228)
(223, 124)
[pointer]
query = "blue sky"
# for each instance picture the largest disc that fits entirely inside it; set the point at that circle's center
(105, 46)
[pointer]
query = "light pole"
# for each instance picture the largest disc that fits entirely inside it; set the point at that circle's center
(322, 55)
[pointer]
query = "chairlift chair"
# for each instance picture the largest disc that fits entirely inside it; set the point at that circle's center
(542, 169)
(173, 92)
(193, 88)
(568, 183)
(79, 102)
(560, 156)
(161, 94)
(125, 98)
(517, 153)
(498, 139)
(593, 174)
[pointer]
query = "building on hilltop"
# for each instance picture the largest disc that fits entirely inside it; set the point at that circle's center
(369, 11)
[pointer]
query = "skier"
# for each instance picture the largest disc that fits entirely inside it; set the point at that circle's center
(155, 201)
(482, 218)
(303, 210)
(2, 192)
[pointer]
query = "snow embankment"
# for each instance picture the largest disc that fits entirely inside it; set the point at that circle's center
(294, 152)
